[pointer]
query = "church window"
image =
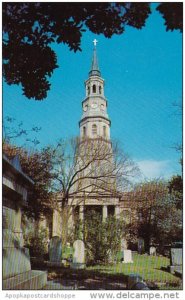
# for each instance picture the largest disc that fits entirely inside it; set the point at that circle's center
(104, 131)
(84, 131)
(88, 90)
(100, 89)
(94, 88)
(94, 129)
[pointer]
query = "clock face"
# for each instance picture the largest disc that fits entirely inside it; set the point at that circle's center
(85, 107)
(94, 105)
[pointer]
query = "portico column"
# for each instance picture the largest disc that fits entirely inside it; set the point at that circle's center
(81, 212)
(105, 212)
(117, 211)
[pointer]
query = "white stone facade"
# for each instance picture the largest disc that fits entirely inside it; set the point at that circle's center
(95, 120)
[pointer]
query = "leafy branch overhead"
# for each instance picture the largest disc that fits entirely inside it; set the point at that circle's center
(30, 28)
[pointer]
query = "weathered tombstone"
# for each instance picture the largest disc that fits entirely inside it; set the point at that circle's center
(127, 256)
(135, 282)
(152, 251)
(175, 260)
(79, 255)
(55, 249)
(141, 246)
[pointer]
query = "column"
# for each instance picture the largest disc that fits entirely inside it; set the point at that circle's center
(105, 212)
(81, 212)
(117, 211)
(81, 219)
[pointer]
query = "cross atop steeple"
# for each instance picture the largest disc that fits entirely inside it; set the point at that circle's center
(95, 68)
(95, 42)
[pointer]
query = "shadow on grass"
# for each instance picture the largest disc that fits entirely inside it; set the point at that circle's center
(89, 279)
(84, 279)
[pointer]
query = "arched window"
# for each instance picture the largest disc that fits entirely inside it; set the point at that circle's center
(94, 88)
(84, 131)
(104, 131)
(100, 89)
(88, 90)
(94, 129)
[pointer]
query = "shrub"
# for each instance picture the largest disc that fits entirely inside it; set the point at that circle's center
(102, 238)
(37, 242)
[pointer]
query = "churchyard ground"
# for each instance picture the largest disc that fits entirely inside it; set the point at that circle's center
(153, 269)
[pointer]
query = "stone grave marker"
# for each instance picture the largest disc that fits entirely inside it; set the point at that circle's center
(55, 249)
(141, 246)
(127, 257)
(152, 251)
(175, 260)
(78, 255)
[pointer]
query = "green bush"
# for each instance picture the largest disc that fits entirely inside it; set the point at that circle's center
(67, 253)
(37, 242)
(102, 238)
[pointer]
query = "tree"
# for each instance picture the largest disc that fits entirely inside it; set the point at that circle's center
(30, 28)
(175, 186)
(13, 130)
(88, 168)
(178, 146)
(157, 218)
(172, 13)
(143, 200)
(37, 165)
(168, 221)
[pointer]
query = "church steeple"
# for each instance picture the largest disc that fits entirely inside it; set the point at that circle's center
(95, 121)
(95, 68)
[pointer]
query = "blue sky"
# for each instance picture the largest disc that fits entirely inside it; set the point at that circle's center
(143, 78)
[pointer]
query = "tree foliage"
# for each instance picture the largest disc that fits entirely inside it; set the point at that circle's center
(37, 165)
(102, 238)
(156, 216)
(30, 28)
(37, 242)
(172, 13)
(175, 186)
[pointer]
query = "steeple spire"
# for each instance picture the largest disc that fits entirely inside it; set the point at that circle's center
(95, 68)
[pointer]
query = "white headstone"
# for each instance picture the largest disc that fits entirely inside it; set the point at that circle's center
(176, 256)
(127, 256)
(152, 250)
(79, 252)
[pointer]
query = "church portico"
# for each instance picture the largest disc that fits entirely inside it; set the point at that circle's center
(105, 210)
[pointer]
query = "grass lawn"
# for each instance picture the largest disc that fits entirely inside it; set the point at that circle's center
(151, 268)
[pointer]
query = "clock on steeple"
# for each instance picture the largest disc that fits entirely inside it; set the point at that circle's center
(94, 122)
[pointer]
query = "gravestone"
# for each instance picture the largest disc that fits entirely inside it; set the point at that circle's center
(135, 282)
(127, 257)
(141, 246)
(175, 260)
(55, 249)
(152, 251)
(79, 255)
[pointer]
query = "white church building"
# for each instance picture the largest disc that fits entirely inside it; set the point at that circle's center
(94, 125)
